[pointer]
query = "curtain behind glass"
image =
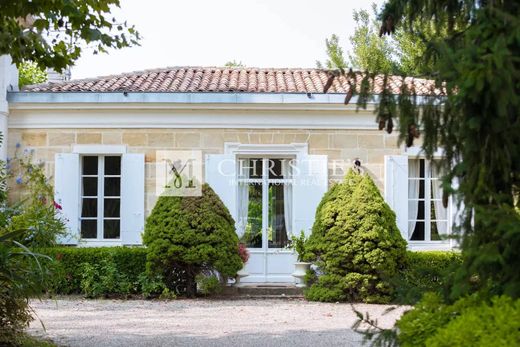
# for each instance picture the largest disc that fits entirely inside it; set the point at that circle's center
(413, 193)
(243, 199)
(287, 197)
(441, 213)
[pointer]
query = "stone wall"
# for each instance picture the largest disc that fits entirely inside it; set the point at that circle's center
(370, 146)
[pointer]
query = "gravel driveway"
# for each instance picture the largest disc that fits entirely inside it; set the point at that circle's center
(78, 322)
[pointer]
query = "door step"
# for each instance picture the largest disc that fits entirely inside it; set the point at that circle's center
(264, 291)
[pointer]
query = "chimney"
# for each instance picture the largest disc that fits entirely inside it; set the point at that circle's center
(55, 77)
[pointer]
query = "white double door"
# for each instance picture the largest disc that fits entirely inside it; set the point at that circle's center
(265, 209)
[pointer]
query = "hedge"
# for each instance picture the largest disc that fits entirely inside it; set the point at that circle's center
(130, 262)
(425, 272)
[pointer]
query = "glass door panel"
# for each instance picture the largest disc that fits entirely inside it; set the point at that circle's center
(277, 227)
(252, 234)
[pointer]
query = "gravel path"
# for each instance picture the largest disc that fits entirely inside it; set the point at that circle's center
(78, 322)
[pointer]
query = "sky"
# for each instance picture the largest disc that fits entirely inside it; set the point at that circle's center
(259, 33)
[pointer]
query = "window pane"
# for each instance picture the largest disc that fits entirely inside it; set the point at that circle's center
(418, 232)
(413, 209)
(111, 207)
(416, 168)
(277, 229)
(250, 167)
(90, 165)
(252, 236)
(111, 229)
(438, 228)
(112, 165)
(89, 208)
(112, 186)
(90, 186)
(414, 188)
(89, 229)
(275, 168)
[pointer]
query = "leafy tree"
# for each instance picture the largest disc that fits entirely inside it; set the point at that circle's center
(54, 33)
(336, 59)
(30, 73)
(473, 114)
(400, 54)
(355, 242)
(369, 51)
(188, 235)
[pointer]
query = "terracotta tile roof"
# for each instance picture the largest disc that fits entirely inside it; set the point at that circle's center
(218, 79)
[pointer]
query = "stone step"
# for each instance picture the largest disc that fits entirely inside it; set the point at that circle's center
(270, 291)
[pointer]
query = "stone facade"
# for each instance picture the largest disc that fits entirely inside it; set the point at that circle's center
(341, 146)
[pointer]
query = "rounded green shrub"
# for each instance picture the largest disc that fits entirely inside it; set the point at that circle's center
(186, 235)
(355, 242)
(470, 321)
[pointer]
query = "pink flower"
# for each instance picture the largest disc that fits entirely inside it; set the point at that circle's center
(243, 253)
(57, 206)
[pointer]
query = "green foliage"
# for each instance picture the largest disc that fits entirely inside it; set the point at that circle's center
(486, 325)
(38, 214)
(476, 121)
(355, 242)
(336, 59)
(186, 235)
(469, 321)
(208, 285)
(298, 244)
(30, 73)
(103, 279)
(22, 276)
(369, 51)
(53, 33)
(97, 271)
(152, 286)
(404, 53)
(425, 272)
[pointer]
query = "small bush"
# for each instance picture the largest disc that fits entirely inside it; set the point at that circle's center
(470, 321)
(113, 270)
(425, 272)
(103, 279)
(356, 244)
(487, 325)
(208, 285)
(186, 235)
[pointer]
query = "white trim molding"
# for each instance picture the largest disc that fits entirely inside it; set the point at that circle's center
(235, 148)
(99, 149)
(193, 117)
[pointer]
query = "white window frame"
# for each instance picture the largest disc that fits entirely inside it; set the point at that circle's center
(100, 151)
(241, 150)
(417, 153)
(264, 181)
(100, 197)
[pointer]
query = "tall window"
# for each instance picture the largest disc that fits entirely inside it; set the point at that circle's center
(265, 202)
(100, 197)
(427, 217)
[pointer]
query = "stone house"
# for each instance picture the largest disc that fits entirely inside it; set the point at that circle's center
(266, 140)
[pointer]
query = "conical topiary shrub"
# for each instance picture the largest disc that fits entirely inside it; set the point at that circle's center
(355, 242)
(186, 235)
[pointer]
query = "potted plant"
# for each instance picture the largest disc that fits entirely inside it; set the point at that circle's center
(244, 255)
(300, 267)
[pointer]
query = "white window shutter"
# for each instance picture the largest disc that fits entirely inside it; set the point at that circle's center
(310, 184)
(221, 176)
(66, 193)
(132, 198)
(396, 189)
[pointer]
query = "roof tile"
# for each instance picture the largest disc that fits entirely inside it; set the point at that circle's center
(215, 79)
